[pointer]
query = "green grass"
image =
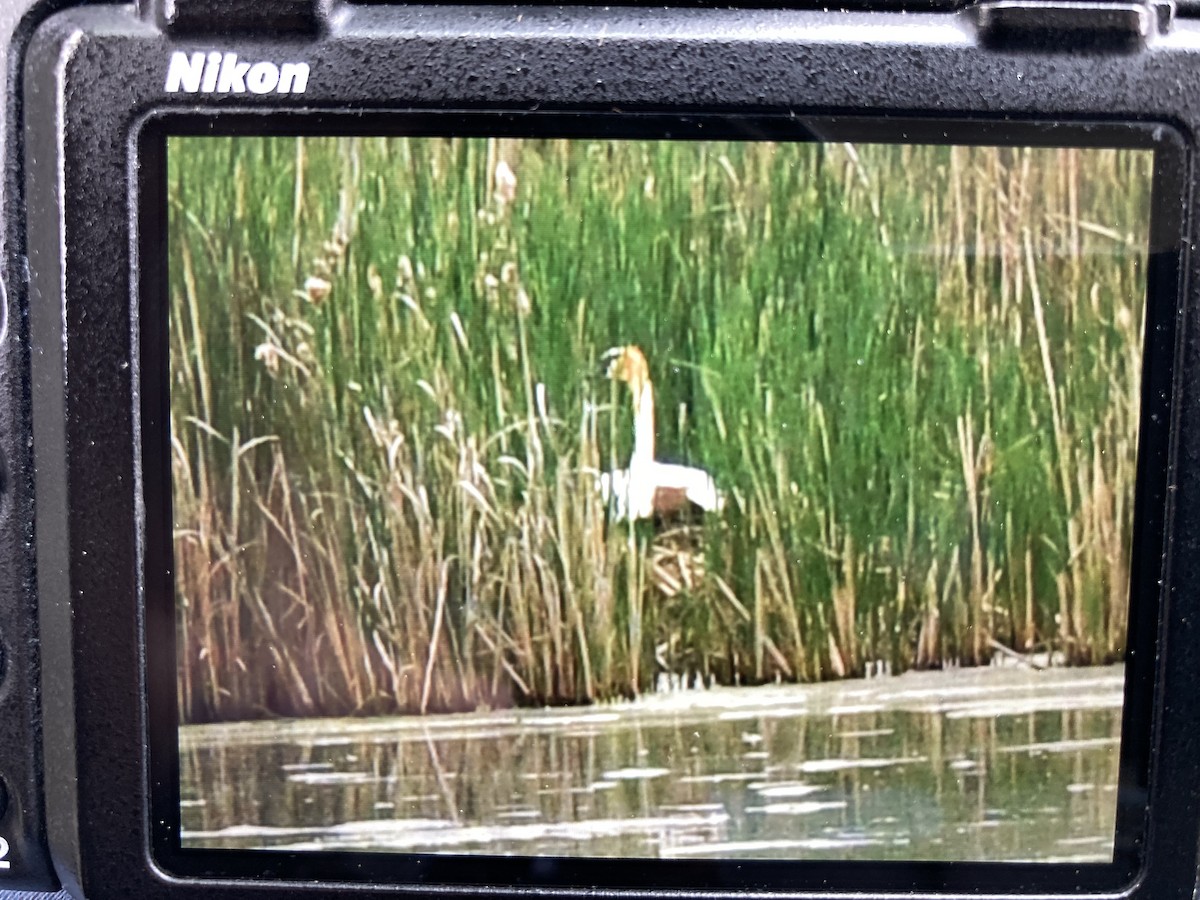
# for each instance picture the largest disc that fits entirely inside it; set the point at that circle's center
(912, 370)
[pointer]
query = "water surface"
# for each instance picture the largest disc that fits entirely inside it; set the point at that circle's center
(983, 764)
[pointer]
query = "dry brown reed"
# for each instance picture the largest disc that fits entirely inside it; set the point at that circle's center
(914, 371)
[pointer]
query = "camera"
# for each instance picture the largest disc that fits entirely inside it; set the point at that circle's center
(565, 450)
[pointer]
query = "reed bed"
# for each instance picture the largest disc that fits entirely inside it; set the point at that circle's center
(913, 371)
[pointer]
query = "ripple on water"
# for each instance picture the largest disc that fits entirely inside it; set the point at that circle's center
(750, 848)
(1062, 746)
(407, 835)
(782, 790)
(813, 766)
(339, 778)
(799, 808)
(635, 773)
(718, 777)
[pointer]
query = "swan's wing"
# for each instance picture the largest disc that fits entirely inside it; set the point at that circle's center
(696, 484)
(637, 492)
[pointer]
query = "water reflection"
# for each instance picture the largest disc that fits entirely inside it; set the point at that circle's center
(989, 764)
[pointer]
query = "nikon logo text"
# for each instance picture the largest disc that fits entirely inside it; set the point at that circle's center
(224, 73)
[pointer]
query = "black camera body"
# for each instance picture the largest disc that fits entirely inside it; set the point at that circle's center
(89, 753)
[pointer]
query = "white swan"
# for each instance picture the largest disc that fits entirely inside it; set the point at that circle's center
(648, 487)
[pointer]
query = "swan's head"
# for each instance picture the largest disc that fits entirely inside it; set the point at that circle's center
(627, 364)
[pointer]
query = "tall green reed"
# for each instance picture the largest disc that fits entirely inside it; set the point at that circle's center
(912, 370)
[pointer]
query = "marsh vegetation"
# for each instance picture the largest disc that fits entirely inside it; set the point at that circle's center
(912, 371)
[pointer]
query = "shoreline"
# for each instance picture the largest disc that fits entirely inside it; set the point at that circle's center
(980, 692)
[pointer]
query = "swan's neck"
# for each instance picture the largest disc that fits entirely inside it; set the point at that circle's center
(643, 421)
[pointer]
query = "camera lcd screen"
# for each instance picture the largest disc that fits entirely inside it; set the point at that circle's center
(678, 499)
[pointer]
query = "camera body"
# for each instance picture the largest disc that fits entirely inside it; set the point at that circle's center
(86, 764)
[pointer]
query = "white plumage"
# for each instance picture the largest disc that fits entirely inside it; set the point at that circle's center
(648, 487)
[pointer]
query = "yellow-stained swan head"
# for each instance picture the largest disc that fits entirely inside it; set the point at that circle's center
(628, 364)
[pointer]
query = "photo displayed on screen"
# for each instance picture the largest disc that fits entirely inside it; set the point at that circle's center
(635, 498)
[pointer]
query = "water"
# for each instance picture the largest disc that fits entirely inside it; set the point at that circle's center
(984, 764)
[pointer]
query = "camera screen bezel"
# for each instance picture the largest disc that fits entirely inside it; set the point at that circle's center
(93, 77)
(474, 872)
